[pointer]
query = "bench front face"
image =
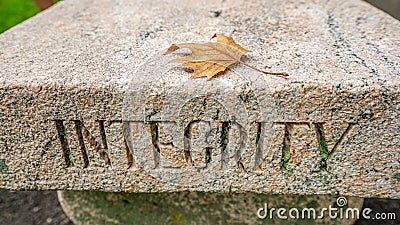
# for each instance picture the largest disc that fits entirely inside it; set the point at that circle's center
(90, 102)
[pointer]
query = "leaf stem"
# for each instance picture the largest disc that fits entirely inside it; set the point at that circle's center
(283, 74)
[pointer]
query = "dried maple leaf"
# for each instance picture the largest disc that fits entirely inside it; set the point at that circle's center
(213, 58)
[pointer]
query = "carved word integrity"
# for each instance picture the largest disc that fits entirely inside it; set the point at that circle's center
(84, 137)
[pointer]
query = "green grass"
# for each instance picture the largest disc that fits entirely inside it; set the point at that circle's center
(13, 12)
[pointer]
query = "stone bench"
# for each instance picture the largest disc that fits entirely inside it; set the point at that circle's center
(89, 101)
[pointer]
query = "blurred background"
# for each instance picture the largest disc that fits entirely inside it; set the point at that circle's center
(42, 207)
(13, 12)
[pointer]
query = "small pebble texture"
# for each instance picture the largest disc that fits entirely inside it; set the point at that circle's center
(42, 207)
(68, 64)
(31, 208)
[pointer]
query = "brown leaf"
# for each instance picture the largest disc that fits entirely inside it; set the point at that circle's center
(210, 59)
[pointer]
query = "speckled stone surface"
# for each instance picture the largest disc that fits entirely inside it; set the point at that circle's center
(332, 127)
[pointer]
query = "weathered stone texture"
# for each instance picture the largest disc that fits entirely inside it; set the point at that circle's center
(332, 127)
